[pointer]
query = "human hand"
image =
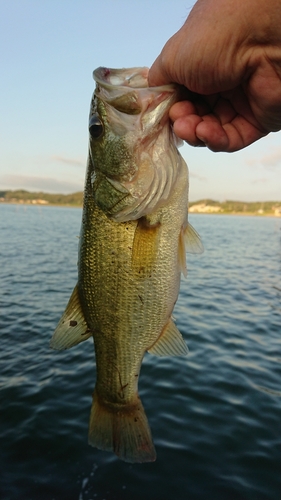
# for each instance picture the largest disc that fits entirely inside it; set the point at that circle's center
(228, 56)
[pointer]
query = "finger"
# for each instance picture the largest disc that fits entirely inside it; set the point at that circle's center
(240, 103)
(212, 136)
(184, 108)
(241, 133)
(185, 128)
(157, 74)
(230, 137)
(224, 111)
(211, 133)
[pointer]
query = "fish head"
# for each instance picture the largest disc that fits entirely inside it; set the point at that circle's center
(132, 146)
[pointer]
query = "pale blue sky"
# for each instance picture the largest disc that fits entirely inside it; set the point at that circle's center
(48, 50)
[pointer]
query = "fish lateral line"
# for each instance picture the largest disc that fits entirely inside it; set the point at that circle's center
(122, 386)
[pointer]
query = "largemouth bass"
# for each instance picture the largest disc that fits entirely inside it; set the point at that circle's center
(133, 240)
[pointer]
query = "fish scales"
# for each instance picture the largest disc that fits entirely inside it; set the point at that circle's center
(131, 253)
(131, 302)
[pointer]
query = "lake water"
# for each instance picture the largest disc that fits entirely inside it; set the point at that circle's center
(215, 415)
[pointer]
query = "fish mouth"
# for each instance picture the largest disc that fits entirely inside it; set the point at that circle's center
(137, 118)
(130, 77)
(114, 85)
(136, 78)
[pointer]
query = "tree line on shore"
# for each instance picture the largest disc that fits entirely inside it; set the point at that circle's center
(76, 199)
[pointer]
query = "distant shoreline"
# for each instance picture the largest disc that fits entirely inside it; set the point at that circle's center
(61, 205)
(28, 204)
(206, 206)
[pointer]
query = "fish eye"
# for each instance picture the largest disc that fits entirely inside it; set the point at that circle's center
(95, 126)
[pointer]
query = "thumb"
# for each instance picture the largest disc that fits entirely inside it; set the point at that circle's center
(157, 75)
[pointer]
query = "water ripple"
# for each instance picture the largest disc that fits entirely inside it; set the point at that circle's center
(214, 415)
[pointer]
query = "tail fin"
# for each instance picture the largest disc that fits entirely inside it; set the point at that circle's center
(122, 429)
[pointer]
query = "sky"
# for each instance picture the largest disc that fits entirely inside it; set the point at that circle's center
(48, 51)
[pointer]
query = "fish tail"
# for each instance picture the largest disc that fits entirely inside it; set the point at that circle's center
(122, 429)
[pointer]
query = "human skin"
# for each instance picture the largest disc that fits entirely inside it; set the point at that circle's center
(227, 55)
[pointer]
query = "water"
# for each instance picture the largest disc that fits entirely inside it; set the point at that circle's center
(214, 416)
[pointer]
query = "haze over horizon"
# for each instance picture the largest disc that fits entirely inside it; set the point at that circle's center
(48, 52)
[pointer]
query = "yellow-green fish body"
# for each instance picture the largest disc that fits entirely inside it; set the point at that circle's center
(132, 250)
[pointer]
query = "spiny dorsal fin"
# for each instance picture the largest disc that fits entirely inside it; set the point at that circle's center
(189, 241)
(170, 342)
(72, 328)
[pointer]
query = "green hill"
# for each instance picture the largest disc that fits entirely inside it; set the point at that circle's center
(236, 207)
(41, 198)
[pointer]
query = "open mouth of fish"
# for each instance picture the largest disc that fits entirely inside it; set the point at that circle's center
(136, 117)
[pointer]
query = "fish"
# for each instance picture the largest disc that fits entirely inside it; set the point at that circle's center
(132, 251)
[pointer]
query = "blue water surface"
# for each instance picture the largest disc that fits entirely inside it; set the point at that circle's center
(215, 415)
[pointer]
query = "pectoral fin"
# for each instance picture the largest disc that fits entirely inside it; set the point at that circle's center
(193, 243)
(145, 246)
(170, 342)
(72, 328)
(189, 241)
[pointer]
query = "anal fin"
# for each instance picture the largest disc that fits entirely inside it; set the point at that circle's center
(170, 342)
(72, 327)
